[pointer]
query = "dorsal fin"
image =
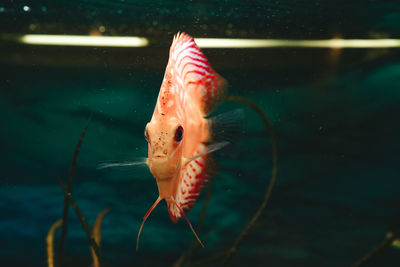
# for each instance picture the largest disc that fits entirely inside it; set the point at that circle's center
(195, 73)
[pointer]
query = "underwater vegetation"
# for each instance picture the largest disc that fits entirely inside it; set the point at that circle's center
(94, 233)
(391, 239)
(186, 259)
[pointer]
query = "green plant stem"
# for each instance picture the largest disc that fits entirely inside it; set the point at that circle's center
(378, 249)
(271, 135)
(69, 190)
(83, 221)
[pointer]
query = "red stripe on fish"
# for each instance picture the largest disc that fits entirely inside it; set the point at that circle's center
(187, 193)
(194, 69)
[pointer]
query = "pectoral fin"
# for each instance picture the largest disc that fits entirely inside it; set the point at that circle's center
(209, 149)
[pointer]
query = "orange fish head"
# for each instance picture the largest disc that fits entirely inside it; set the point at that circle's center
(165, 137)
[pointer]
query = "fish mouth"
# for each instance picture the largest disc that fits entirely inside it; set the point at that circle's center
(159, 156)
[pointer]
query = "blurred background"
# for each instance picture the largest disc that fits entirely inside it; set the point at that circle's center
(327, 74)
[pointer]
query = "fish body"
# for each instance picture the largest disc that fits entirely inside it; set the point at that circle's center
(180, 137)
(177, 156)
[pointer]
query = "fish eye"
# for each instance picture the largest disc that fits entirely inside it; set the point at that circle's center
(179, 134)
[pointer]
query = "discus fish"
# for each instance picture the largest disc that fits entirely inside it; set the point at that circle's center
(180, 137)
(178, 129)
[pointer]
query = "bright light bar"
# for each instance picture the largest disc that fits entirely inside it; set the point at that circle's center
(83, 40)
(119, 41)
(264, 43)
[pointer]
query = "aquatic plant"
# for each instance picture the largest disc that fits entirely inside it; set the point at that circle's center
(69, 191)
(93, 234)
(50, 242)
(391, 239)
(270, 131)
(96, 234)
(95, 247)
